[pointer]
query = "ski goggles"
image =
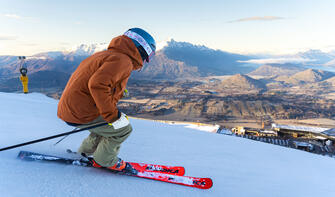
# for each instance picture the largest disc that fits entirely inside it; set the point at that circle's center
(142, 42)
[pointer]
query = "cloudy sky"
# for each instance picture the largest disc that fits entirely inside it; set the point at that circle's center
(243, 26)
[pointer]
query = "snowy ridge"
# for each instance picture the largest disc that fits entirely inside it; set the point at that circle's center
(239, 167)
(81, 50)
(312, 57)
(172, 43)
(86, 49)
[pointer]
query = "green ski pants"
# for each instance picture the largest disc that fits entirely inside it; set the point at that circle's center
(104, 142)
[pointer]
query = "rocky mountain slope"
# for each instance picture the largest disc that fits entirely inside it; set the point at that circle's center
(208, 61)
(306, 76)
(272, 70)
(162, 67)
(242, 82)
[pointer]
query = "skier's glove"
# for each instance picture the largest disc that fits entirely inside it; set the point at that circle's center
(121, 122)
(125, 93)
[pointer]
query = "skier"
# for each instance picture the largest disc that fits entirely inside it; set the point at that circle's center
(94, 89)
(23, 77)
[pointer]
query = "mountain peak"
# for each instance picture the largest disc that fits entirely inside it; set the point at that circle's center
(276, 70)
(308, 76)
(316, 56)
(172, 43)
(243, 82)
(87, 49)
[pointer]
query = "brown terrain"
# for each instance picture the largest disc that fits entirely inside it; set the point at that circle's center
(268, 94)
(238, 100)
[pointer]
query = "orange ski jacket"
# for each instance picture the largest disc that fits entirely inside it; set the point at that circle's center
(97, 85)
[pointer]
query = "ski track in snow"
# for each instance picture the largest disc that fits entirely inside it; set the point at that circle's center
(238, 167)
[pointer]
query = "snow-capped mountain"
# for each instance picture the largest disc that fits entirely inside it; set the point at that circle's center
(81, 50)
(86, 49)
(313, 58)
(330, 63)
(316, 56)
(208, 61)
(47, 55)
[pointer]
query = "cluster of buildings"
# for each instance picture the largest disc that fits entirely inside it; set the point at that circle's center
(313, 139)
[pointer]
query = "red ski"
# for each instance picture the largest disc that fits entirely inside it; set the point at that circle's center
(201, 183)
(169, 174)
(176, 170)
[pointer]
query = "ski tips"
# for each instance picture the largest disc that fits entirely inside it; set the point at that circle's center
(209, 183)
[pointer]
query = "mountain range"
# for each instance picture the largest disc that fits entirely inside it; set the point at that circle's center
(176, 60)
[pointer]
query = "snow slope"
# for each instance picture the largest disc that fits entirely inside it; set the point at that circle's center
(238, 167)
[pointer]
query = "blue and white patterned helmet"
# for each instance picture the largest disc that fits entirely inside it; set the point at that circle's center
(144, 42)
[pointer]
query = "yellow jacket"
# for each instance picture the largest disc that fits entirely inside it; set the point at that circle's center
(24, 80)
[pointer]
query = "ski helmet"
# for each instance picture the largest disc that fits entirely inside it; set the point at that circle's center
(144, 42)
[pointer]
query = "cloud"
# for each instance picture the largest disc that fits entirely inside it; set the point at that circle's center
(278, 60)
(257, 18)
(15, 16)
(18, 17)
(7, 37)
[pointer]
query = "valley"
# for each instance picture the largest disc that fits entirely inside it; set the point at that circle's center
(198, 101)
(187, 82)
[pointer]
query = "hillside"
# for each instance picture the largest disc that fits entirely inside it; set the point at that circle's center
(271, 70)
(331, 81)
(307, 76)
(242, 82)
(233, 163)
(208, 61)
(162, 67)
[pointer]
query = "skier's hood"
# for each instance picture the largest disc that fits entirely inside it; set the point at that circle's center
(126, 46)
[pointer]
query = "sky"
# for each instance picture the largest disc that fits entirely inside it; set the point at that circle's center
(239, 26)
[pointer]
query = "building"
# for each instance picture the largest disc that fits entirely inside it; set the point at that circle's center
(292, 131)
(253, 132)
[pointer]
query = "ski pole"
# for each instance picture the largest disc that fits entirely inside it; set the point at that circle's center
(52, 137)
(63, 137)
(61, 140)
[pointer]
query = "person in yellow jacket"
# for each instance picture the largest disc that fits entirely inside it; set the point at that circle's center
(94, 89)
(24, 79)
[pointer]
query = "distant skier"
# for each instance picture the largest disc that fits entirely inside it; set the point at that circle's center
(94, 89)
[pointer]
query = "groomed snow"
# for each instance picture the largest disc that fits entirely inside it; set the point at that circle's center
(238, 167)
